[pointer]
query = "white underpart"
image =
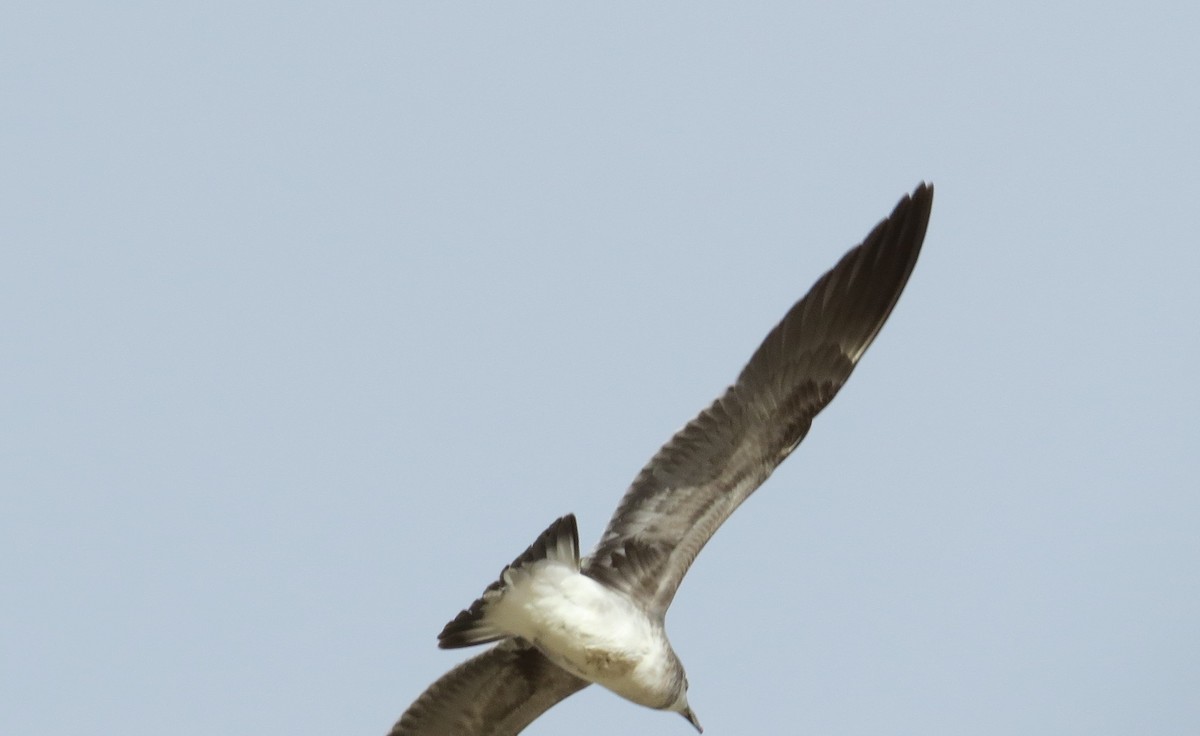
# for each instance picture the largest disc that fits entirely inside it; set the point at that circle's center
(589, 630)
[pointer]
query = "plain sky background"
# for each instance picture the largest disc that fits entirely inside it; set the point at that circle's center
(314, 315)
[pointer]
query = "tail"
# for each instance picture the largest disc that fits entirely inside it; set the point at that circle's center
(560, 543)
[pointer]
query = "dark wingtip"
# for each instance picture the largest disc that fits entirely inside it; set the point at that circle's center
(848, 305)
(922, 198)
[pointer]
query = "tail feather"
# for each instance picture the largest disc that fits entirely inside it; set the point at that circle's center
(560, 543)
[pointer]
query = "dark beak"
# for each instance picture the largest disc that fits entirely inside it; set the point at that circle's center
(688, 714)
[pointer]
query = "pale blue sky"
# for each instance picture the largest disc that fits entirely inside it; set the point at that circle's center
(313, 316)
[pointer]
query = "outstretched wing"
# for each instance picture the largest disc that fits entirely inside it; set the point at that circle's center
(497, 693)
(714, 463)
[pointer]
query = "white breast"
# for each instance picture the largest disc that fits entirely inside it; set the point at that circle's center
(589, 630)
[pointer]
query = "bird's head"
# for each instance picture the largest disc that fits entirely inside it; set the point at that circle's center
(681, 706)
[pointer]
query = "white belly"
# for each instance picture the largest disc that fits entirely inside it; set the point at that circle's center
(587, 629)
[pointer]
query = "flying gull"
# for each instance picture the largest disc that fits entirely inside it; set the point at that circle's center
(564, 622)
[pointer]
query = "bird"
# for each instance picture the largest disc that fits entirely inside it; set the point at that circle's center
(562, 621)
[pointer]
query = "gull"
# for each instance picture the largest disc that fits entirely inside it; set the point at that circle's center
(564, 622)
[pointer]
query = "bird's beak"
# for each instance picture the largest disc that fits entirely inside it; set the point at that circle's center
(688, 714)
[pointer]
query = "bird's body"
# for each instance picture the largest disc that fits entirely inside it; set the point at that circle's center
(564, 621)
(590, 630)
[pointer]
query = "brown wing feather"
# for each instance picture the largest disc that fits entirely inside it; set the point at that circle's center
(497, 693)
(715, 462)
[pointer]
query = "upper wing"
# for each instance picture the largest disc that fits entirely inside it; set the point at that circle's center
(497, 693)
(715, 462)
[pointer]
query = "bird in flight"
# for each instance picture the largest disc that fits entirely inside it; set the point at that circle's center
(564, 621)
